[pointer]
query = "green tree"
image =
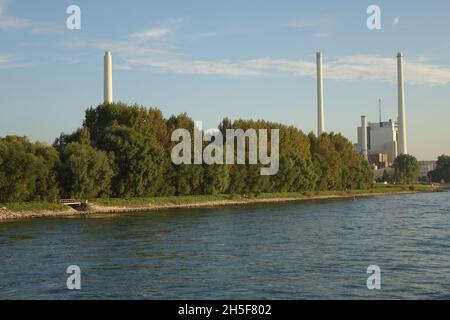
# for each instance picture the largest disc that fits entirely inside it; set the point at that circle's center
(149, 122)
(84, 172)
(442, 171)
(27, 170)
(406, 169)
(324, 147)
(46, 183)
(296, 174)
(140, 164)
(385, 177)
(81, 135)
(187, 179)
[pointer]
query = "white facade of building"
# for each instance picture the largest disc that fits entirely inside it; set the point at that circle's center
(381, 138)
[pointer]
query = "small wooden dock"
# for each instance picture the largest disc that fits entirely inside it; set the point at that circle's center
(70, 202)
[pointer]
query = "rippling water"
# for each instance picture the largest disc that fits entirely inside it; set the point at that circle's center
(307, 250)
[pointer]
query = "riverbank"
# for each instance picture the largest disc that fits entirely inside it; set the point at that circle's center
(116, 206)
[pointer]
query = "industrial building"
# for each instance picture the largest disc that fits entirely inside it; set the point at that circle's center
(377, 139)
(381, 142)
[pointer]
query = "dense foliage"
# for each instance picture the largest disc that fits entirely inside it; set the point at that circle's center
(28, 171)
(442, 171)
(406, 169)
(124, 151)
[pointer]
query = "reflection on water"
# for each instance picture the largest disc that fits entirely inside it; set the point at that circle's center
(284, 251)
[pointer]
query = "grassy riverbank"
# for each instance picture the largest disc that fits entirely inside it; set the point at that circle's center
(180, 200)
(111, 205)
(33, 206)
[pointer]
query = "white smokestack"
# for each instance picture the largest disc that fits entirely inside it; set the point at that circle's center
(108, 82)
(320, 116)
(402, 142)
(364, 147)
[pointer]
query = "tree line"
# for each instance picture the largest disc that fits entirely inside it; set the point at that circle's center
(442, 171)
(124, 151)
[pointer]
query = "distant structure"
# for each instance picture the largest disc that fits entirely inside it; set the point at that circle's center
(108, 81)
(402, 144)
(380, 161)
(377, 138)
(379, 109)
(381, 142)
(425, 168)
(320, 113)
(364, 135)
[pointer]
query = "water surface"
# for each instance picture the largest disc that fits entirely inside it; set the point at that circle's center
(304, 250)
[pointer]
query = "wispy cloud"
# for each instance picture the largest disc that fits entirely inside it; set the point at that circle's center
(4, 60)
(370, 67)
(123, 48)
(321, 27)
(161, 57)
(160, 31)
(9, 22)
(348, 68)
(117, 66)
(154, 33)
(7, 62)
(308, 22)
(199, 67)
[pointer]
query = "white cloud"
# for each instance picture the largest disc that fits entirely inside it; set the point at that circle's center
(369, 67)
(154, 33)
(198, 67)
(9, 22)
(4, 59)
(125, 48)
(117, 66)
(396, 21)
(164, 58)
(348, 68)
(160, 31)
(7, 62)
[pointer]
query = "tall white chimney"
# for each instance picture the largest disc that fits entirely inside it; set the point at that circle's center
(402, 142)
(108, 82)
(364, 147)
(320, 115)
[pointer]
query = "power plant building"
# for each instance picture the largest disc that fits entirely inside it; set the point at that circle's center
(381, 139)
(376, 139)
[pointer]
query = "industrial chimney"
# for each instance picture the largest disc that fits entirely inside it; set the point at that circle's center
(320, 116)
(402, 142)
(364, 147)
(108, 83)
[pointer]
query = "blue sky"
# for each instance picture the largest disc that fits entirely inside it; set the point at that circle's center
(241, 59)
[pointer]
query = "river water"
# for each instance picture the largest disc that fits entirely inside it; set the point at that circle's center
(304, 250)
